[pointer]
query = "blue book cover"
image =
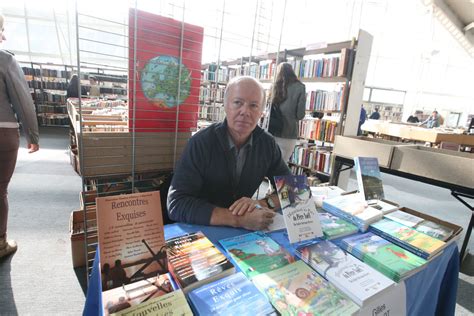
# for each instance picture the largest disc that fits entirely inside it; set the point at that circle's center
(369, 177)
(232, 295)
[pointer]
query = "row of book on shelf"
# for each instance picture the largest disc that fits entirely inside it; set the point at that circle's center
(317, 129)
(351, 262)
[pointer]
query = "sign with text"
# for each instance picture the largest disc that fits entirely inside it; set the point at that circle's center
(298, 208)
(390, 302)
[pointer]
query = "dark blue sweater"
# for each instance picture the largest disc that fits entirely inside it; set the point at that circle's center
(203, 178)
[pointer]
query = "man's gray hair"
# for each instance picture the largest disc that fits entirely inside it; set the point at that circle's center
(239, 79)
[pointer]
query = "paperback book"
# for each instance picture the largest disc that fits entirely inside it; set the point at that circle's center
(193, 261)
(299, 211)
(391, 260)
(296, 289)
(120, 298)
(369, 178)
(335, 227)
(232, 295)
(256, 253)
(350, 275)
(131, 238)
(404, 218)
(421, 244)
(173, 303)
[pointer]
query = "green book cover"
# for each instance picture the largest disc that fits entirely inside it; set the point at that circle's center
(256, 253)
(296, 289)
(392, 260)
(334, 226)
(434, 230)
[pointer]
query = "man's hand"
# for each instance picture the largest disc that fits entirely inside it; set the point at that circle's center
(258, 220)
(32, 148)
(243, 205)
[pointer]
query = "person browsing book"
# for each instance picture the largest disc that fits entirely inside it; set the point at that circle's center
(432, 121)
(223, 165)
(15, 102)
(289, 96)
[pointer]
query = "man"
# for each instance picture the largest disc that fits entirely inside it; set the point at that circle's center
(362, 118)
(223, 165)
(432, 121)
(94, 89)
(375, 115)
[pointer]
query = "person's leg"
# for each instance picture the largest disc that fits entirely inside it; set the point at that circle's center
(9, 143)
(286, 146)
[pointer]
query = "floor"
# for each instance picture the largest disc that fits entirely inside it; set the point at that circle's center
(39, 278)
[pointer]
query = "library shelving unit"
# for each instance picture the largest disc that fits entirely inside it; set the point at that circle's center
(334, 75)
(388, 101)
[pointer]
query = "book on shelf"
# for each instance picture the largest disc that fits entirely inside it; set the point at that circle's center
(406, 237)
(130, 295)
(350, 275)
(424, 223)
(193, 261)
(298, 208)
(296, 289)
(131, 238)
(173, 303)
(232, 295)
(369, 178)
(256, 253)
(335, 227)
(391, 260)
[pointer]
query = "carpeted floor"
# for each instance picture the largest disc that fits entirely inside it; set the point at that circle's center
(39, 278)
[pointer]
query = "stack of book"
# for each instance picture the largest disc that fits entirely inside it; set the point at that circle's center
(194, 261)
(389, 259)
(353, 277)
(406, 237)
(335, 227)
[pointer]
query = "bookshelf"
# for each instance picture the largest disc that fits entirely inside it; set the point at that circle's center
(388, 101)
(334, 76)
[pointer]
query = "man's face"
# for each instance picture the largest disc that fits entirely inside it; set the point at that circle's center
(244, 107)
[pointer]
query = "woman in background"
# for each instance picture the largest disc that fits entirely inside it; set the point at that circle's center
(289, 95)
(15, 99)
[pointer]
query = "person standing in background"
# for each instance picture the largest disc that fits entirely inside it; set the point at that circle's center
(289, 96)
(15, 99)
(95, 89)
(73, 89)
(362, 118)
(375, 115)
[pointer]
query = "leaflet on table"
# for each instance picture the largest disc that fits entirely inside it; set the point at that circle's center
(350, 275)
(256, 253)
(131, 238)
(278, 222)
(299, 211)
(393, 301)
(296, 289)
(232, 295)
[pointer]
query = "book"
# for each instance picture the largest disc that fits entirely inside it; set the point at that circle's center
(391, 260)
(136, 293)
(369, 178)
(321, 193)
(131, 238)
(355, 278)
(404, 218)
(421, 244)
(173, 303)
(335, 227)
(193, 261)
(232, 295)
(353, 208)
(296, 289)
(298, 208)
(256, 253)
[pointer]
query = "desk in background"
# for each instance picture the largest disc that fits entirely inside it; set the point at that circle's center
(432, 291)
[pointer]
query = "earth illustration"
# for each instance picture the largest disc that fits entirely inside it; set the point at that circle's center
(160, 81)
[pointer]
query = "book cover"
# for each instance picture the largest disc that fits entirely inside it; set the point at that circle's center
(408, 236)
(126, 296)
(298, 290)
(173, 303)
(232, 295)
(353, 277)
(404, 218)
(193, 260)
(131, 238)
(164, 83)
(256, 253)
(334, 227)
(369, 177)
(389, 259)
(435, 230)
(298, 208)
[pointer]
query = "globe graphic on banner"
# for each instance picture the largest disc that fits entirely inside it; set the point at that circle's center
(160, 81)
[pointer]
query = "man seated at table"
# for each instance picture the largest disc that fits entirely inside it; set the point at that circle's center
(223, 165)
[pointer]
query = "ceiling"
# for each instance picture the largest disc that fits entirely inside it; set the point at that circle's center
(464, 9)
